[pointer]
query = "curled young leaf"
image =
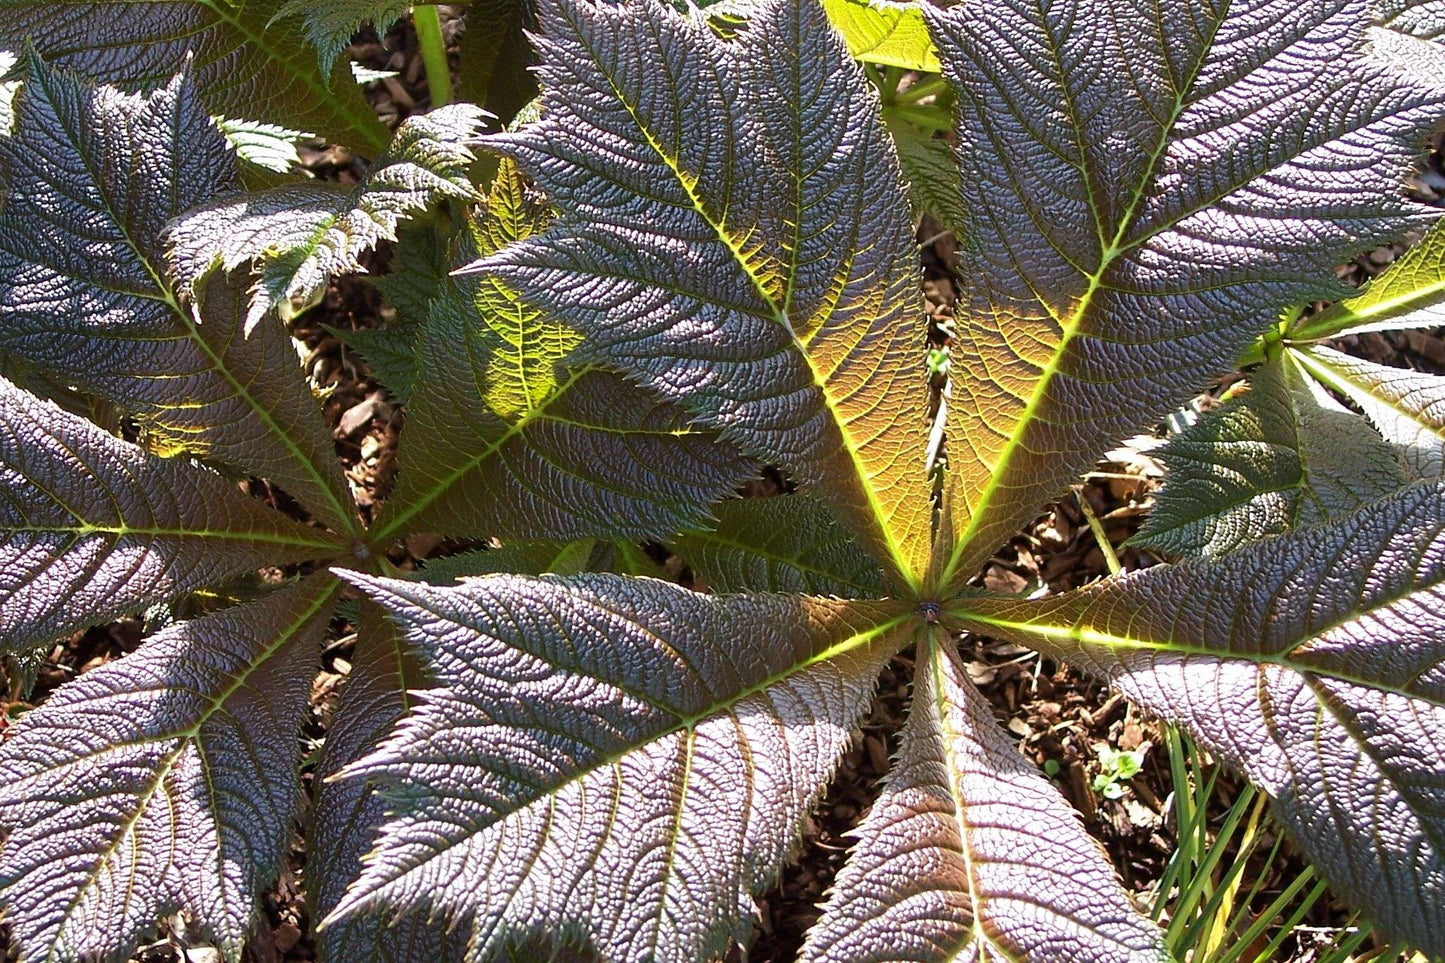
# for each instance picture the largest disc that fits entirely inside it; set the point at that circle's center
(300, 236)
(614, 764)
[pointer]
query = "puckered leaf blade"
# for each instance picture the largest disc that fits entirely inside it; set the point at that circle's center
(244, 68)
(347, 812)
(300, 236)
(90, 179)
(1146, 188)
(884, 32)
(330, 24)
(1315, 663)
(646, 756)
(790, 543)
(164, 781)
(1408, 407)
(92, 527)
(504, 439)
(737, 239)
(971, 854)
(1278, 457)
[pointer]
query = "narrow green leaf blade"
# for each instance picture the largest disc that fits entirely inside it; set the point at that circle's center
(92, 527)
(932, 173)
(971, 854)
(790, 543)
(348, 812)
(245, 68)
(330, 24)
(1313, 662)
(166, 780)
(1408, 407)
(92, 176)
(648, 756)
(300, 236)
(1265, 463)
(1146, 191)
(1410, 293)
(738, 240)
(505, 439)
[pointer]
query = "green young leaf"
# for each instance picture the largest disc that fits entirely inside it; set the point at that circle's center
(737, 239)
(330, 24)
(1145, 193)
(504, 440)
(1315, 663)
(92, 176)
(348, 812)
(932, 173)
(885, 32)
(790, 543)
(493, 55)
(1408, 294)
(520, 558)
(1407, 406)
(243, 66)
(8, 90)
(267, 146)
(971, 853)
(1276, 458)
(93, 527)
(300, 236)
(646, 757)
(164, 781)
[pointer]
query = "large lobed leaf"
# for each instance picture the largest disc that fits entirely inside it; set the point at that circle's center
(244, 67)
(614, 764)
(165, 781)
(1146, 187)
(89, 181)
(970, 854)
(733, 233)
(505, 439)
(93, 527)
(300, 236)
(1314, 662)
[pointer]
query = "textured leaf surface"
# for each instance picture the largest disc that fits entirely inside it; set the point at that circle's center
(348, 812)
(933, 178)
(517, 558)
(244, 68)
(617, 763)
(737, 238)
(504, 440)
(1409, 294)
(1146, 188)
(884, 32)
(493, 54)
(1315, 663)
(92, 527)
(164, 781)
(91, 178)
(790, 543)
(330, 24)
(1279, 457)
(970, 854)
(1407, 406)
(300, 236)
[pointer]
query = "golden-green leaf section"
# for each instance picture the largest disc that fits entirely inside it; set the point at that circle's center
(1140, 207)
(506, 438)
(884, 32)
(737, 239)
(1408, 294)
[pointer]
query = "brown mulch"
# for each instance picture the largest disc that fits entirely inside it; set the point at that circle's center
(1060, 718)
